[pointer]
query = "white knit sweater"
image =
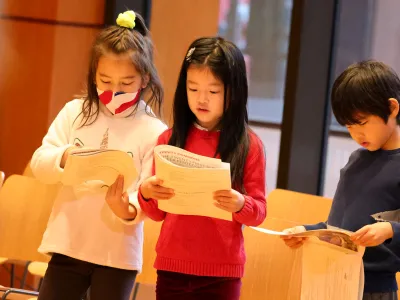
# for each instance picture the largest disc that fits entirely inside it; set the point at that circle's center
(82, 225)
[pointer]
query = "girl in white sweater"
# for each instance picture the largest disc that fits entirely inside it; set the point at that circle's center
(96, 238)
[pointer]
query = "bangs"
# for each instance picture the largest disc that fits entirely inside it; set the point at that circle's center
(358, 94)
(350, 103)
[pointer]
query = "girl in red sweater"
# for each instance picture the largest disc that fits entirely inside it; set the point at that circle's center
(200, 257)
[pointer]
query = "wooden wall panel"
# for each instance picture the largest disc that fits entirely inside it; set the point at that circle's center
(42, 66)
(43, 9)
(173, 28)
(26, 53)
(87, 11)
(71, 51)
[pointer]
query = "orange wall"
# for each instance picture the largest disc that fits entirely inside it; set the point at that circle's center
(42, 66)
(173, 28)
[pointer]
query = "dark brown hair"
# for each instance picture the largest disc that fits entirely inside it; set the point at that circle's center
(120, 40)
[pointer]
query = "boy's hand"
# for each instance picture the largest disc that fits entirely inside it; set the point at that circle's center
(373, 235)
(151, 189)
(231, 200)
(291, 241)
(119, 201)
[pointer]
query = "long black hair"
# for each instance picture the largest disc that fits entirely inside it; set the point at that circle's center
(120, 40)
(226, 62)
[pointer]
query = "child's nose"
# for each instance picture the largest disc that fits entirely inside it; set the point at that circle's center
(203, 98)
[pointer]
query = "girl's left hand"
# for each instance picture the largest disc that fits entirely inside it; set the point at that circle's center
(231, 200)
(119, 201)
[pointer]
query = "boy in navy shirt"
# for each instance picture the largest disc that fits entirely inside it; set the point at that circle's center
(365, 98)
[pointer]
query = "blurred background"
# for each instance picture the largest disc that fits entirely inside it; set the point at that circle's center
(294, 49)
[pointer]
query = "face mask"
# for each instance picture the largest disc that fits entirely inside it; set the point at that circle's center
(118, 102)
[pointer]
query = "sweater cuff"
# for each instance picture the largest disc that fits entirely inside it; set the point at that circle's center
(143, 202)
(321, 225)
(246, 211)
(58, 172)
(396, 233)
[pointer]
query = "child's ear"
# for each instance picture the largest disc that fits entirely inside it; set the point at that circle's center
(394, 107)
(146, 79)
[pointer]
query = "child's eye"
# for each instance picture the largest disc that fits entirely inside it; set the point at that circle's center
(192, 90)
(363, 123)
(106, 82)
(214, 92)
(126, 83)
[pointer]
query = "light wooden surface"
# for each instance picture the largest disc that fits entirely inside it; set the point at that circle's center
(28, 171)
(37, 268)
(151, 233)
(2, 177)
(25, 206)
(398, 283)
(273, 271)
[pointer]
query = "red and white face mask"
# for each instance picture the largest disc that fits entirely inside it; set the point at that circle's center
(118, 102)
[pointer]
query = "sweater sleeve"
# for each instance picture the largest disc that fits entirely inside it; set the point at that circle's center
(254, 210)
(150, 206)
(395, 240)
(324, 225)
(321, 225)
(46, 160)
(146, 172)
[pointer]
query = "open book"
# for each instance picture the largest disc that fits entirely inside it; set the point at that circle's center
(332, 235)
(99, 165)
(194, 178)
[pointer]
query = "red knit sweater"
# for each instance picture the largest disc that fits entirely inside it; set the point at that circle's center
(206, 246)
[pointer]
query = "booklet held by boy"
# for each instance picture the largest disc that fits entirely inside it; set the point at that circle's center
(333, 235)
(99, 167)
(194, 179)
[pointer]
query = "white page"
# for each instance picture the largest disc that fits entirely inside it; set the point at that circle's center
(102, 166)
(183, 158)
(268, 231)
(193, 186)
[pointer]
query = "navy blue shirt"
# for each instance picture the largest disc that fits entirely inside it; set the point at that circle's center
(369, 184)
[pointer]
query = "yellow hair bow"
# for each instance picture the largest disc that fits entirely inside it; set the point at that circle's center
(127, 19)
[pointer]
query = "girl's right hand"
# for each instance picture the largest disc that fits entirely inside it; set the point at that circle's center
(291, 241)
(65, 156)
(151, 189)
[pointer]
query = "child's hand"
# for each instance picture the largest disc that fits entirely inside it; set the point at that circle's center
(65, 156)
(151, 189)
(119, 201)
(373, 235)
(231, 200)
(294, 242)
